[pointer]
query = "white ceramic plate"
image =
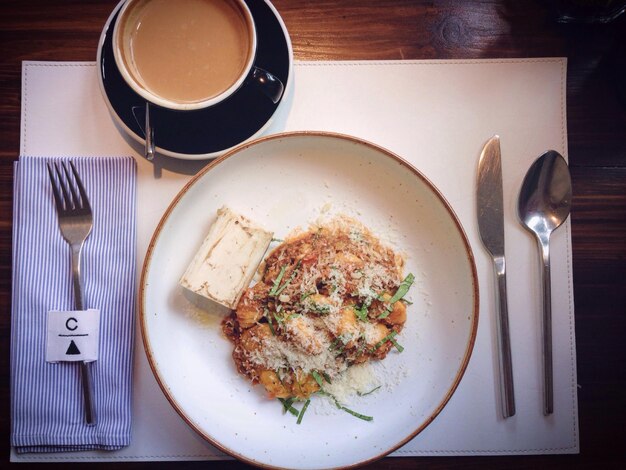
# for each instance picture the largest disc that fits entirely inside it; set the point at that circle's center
(283, 182)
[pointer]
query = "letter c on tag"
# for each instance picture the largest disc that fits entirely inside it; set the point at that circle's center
(67, 323)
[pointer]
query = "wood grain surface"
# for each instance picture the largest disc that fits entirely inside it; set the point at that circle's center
(414, 29)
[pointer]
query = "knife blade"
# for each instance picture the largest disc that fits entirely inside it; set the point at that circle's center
(490, 214)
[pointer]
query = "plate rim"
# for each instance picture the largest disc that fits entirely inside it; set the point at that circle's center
(288, 135)
(192, 156)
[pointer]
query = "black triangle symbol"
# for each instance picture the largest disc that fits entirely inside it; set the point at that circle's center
(73, 349)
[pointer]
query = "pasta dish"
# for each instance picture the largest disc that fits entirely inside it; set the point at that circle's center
(327, 299)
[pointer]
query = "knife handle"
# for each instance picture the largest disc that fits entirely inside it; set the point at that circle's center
(507, 393)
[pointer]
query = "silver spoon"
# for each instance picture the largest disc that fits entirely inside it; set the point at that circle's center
(544, 204)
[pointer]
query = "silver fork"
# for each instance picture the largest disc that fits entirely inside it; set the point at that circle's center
(75, 222)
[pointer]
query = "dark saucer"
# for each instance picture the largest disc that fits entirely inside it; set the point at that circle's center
(205, 132)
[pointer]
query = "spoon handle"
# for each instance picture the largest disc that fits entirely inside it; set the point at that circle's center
(507, 393)
(546, 320)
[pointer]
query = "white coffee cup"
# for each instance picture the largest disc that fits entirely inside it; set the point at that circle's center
(187, 55)
(162, 49)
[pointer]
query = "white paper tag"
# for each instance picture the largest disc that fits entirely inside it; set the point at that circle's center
(73, 336)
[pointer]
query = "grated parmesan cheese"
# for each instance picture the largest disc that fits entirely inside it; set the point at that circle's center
(357, 379)
(277, 354)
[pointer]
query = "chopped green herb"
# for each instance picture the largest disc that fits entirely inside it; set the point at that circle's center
(307, 295)
(361, 313)
(326, 394)
(347, 410)
(403, 288)
(385, 313)
(293, 274)
(282, 288)
(389, 337)
(287, 402)
(280, 319)
(276, 283)
(396, 344)
(317, 308)
(277, 240)
(326, 377)
(317, 378)
(358, 415)
(362, 394)
(384, 340)
(303, 410)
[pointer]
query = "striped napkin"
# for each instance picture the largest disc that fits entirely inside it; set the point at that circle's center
(47, 408)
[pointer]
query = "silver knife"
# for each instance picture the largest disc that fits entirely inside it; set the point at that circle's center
(491, 228)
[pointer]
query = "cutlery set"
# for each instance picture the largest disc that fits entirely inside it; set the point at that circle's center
(544, 203)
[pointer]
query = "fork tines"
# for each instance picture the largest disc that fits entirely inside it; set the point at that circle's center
(63, 187)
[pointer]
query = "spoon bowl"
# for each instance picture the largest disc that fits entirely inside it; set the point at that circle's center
(544, 204)
(546, 194)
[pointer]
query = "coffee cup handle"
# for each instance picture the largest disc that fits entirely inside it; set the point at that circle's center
(268, 83)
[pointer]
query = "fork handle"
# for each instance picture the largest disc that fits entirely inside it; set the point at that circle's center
(85, 372)
(77, 280)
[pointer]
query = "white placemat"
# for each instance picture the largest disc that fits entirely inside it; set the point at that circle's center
(435, 114)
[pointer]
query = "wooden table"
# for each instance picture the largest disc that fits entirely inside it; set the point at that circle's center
(415, 29)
